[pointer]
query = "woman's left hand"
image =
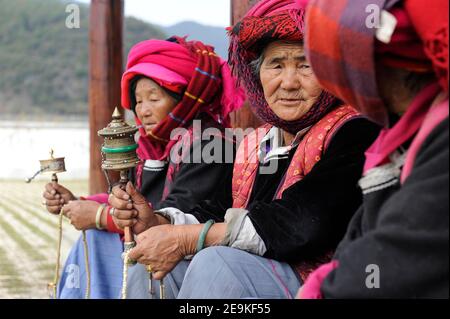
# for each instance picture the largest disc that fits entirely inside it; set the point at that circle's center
(160, 247)
(81, 213)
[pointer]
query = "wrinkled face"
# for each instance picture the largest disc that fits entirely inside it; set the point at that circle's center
(289, 85)
(153, 103)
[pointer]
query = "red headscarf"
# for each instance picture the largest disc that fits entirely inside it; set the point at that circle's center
(341, 47)
(267, 21)
(430, 21)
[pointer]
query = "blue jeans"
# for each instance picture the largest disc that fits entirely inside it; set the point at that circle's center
(105, 263)
(221, 273)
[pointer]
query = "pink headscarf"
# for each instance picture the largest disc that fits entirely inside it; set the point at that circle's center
(174, 65)
(273, 7)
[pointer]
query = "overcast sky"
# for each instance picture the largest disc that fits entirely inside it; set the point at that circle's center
(170, 12)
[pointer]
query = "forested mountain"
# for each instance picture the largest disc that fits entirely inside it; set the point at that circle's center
(44, 64)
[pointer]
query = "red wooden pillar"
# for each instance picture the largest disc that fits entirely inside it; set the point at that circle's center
(105, 60)
(244, 117)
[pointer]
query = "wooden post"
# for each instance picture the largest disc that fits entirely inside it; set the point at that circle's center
(244, 117)
(105, 60)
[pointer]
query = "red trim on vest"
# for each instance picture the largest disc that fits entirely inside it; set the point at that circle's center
(308, 153)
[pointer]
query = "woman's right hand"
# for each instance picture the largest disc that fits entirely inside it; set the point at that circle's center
(56, 196)
(131, 209)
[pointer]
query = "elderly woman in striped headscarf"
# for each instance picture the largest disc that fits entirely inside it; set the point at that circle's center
(178, 90)
(396, 73)
(294, 185)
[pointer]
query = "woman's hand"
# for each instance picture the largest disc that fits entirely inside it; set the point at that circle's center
(162, 247)
(81, 213)
(55, 196)
(131, 209)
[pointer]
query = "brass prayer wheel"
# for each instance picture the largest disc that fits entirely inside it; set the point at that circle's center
(52, 165)
(119, 154)
(119, 146)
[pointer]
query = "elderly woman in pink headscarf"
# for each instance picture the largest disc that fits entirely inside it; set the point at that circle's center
(178, 90)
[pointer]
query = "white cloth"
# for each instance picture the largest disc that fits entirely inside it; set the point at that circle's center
(177, 217)
(154, 165)
(241, 233)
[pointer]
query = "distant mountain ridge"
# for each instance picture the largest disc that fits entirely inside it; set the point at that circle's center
(44, 65)
(215, 36)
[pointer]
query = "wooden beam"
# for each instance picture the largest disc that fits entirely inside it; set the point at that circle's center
(244, 117)
(105, 60)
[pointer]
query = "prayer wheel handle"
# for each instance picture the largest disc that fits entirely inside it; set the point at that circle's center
(54, 178)
(128, 234)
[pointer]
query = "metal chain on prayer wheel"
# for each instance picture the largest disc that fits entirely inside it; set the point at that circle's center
(119, 154)
(53, 166)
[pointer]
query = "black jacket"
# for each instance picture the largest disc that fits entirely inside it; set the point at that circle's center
(313, 214)
(193, 181)
(403, 231)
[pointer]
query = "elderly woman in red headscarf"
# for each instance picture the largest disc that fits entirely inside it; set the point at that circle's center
(178, 91)
(294, 185)
(398, 242)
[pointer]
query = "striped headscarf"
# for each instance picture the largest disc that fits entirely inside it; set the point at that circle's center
(341, 44)
(268, 21)
(189, 69)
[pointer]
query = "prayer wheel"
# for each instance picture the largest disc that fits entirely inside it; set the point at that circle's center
(119, 147)
(52, 165)
(119, 154)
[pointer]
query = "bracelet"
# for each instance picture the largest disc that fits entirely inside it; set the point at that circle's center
(203, 233)
(110, 224)
(98, 216)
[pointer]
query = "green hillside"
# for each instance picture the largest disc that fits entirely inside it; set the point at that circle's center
(43, 64)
